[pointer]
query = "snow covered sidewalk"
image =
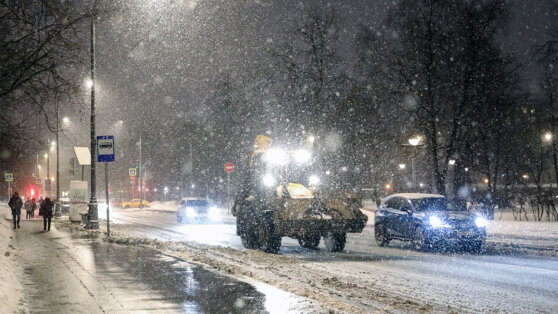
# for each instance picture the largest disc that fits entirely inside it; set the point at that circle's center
(10, 285)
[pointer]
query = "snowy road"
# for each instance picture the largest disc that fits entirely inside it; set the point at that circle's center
(366, 277)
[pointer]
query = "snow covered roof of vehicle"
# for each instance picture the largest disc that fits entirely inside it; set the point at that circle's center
(417, 195)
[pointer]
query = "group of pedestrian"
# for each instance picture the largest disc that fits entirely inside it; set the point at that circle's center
(45, 209)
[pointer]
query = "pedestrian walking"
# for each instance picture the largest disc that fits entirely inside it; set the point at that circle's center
(16, 204)
(46, 211)
(33, 208)
(28, 208)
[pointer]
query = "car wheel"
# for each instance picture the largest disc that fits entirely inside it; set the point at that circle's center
(381, 236)
(309, 242)
(268, 240)
(335, 242)
(420, 241)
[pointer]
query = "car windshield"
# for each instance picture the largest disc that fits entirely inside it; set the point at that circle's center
(197, 203)
(435, 204)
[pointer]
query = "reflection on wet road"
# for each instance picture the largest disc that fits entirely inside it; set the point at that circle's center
(68, 272)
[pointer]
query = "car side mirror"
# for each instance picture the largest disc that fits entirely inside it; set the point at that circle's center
(407, 209)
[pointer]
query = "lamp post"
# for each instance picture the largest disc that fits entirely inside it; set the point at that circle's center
(57, 206)
(414, 142)
(92, 221)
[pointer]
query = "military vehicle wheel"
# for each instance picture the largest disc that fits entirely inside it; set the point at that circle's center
(309, 242)
(268, 240)
(249, 240)
(335, 242)
(381, 236)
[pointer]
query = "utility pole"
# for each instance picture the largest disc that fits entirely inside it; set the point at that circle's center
(92, 221)
(140, 174)
(191, 166)
(47, 193)
(57, 207)
(181, 166)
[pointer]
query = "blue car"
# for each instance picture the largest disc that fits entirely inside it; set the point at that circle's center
(428, 220)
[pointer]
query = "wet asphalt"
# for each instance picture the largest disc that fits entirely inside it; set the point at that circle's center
(69, 272)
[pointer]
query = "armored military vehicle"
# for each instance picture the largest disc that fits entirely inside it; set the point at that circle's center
(279, 198)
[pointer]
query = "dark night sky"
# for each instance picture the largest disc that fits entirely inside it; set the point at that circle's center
(164, 60)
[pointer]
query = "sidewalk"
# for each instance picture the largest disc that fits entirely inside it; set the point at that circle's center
(72, 271)
(66, 272)
(10, 286)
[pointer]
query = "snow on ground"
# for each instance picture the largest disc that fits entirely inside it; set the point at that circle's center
(163, 205)
(365, 278)
(10, 272)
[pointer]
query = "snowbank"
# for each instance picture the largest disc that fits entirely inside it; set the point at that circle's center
(165, 206)
(548, 230)
(10, 272)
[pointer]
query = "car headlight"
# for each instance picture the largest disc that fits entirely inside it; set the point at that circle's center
(268, 180)
(276, 157)
(302, 156)
(191, 212)
(436, 222)
(314, 180)
(481, 222)
(213, 213)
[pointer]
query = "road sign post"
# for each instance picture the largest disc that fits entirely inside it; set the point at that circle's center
(9, 177)
(105, 149)
(229, 167)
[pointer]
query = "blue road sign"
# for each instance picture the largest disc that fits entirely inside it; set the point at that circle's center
(105, 148)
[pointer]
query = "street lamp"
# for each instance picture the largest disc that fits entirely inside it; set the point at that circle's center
(402, 166)
(451, 162)
(548, 136)
(65, 120)
(414, 142)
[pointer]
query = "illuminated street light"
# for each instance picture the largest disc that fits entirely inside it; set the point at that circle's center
(486, 181)
(525, 176)
(193, 186)
(414, 141)
(53, 143)
(311, 139)
(466, 169)
(177, 188)
(388, 186)
(46, 155)
(548, 136)
(402, 166)
(89, 83)
(65, 119)
(451, 162)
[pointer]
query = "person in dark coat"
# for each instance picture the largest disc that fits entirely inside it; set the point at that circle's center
(46, 211)
(16, 204)
(33, 207)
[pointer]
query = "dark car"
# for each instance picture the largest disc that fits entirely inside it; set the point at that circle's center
(428, 220)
